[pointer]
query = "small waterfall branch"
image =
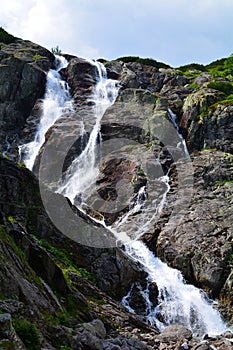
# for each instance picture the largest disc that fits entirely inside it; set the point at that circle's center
(57, 101)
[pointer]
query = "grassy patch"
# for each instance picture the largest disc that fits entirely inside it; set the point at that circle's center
(208, 149)
(194, 86)
(228, 101)
(28, 333)
(192, 67)
(63, 259)
(5, 37)
(8, 240)
(223, 182)
(7, 345)
(225, 87)
(146, 61)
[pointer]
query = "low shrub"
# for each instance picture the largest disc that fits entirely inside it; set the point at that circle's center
(5, 37)
(28, 333)
(146, 61)
(222, 86)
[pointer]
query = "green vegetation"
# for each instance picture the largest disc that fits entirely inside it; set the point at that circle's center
(223, 182)
(35, 57)
(11, 219)
(230, 260)
(147, 61)
(192, 66)
(194, 86)
(63, 259)
(215, 64)
(56, 50)
(218, 68)
(10, 242)
(5, 37)
(28, 333)
(21, 164)
(225, 87)
(102, 60)
(228, 101)
(7, 345)
(222, 67)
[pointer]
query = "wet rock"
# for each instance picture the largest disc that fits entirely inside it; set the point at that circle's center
(81, 75)
(22, 81)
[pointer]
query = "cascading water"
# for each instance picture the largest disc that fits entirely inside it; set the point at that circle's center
(182, 144)
(84, 169)
(178, 302)
(57, 101)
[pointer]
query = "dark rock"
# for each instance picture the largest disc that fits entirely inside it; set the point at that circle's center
(22, 81)
(200, 245)
(174, 334)
(81, 76)
(8, 334)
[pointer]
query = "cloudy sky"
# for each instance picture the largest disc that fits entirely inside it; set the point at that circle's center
(176, 32)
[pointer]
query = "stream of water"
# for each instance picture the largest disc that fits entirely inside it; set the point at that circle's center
(178, 302)
(57, 101)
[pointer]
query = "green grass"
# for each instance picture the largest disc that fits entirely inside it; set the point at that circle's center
(228, 101)
(8, 240)
(223, 182)
(225, 87)
(5, 37)
(63, 259)
(28, 333)
(7, 345)
(192, 66)
(146, 61)
(194, 86)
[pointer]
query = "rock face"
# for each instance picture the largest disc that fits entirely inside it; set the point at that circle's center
(67, 292)
(23, 67)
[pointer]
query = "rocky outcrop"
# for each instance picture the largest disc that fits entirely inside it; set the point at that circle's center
(67, 291)
(213, 129)
(21, 202)
(23, 67)
(201, 245)
(81, 75)
(25, 260)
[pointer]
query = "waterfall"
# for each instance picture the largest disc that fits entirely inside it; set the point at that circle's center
(182, 144)
(84, 169)
(57, 101)
(177, 302)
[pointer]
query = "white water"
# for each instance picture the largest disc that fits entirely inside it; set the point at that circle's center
(178, 302)
(182, 144)
(8, 146)
(57, 101)
(83, 171)
(141, 217)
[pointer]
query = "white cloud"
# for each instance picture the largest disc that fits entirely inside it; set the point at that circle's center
(174, 31)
